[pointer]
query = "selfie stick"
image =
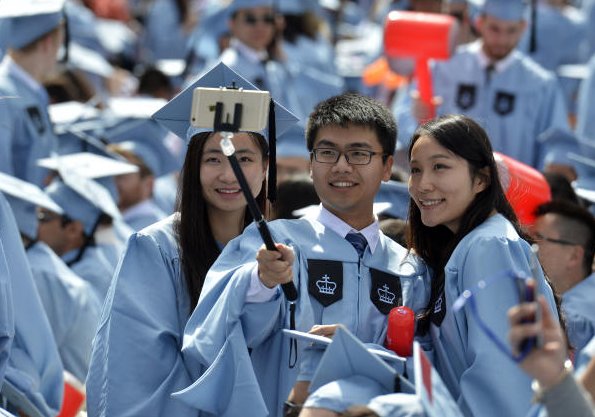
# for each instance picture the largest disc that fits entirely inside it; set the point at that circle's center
(228, 149)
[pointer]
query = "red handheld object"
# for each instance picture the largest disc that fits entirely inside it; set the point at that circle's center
(524, 186)
(420, 36)
(401, 328)
(74, 396)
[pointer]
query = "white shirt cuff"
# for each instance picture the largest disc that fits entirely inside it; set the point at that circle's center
(258, 292)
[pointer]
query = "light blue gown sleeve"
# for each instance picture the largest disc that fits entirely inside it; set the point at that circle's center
(492, 384)
(577, 305)
(163, 36)
(6, 313)
(95, 268)
(34, 368)
(71, 306)
(585, 120)
(6, 133)
(136, 361)
(221, 330)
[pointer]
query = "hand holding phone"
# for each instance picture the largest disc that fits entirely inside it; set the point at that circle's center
(527, 290)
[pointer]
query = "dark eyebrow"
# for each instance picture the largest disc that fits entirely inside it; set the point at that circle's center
(434, 157)
(325, 143)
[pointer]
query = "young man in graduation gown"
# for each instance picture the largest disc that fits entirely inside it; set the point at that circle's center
(491, 81)
(71, 306)
(86, 206)
(33, 382)
(565, 234)
(233, 343)
(35, 32)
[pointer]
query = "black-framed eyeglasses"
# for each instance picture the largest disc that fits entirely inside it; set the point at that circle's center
(252, 19)
(539, 237)
(353, 156)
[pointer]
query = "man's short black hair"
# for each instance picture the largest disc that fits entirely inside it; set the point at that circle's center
(575, 224)
(352, 109)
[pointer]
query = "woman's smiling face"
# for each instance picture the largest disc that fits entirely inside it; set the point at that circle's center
(441, 184)
(219, 185)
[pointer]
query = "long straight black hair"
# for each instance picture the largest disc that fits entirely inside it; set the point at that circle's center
(196, 244)
(467, 139)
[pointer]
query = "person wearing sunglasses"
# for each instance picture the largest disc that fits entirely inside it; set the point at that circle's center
(565, 233)
(256, 52)
(252, 25)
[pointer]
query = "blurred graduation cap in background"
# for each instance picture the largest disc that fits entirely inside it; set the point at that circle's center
(101, 168)
(159, 163)
(88, 165)
(504, 9)
(298, 7)
(176, 114)
(395, 196)
(29, 20)
(236, 5)
(82, 199)
(24, 198)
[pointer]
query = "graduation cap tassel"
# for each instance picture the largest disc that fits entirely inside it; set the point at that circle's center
(64, 59)
(272, 182)
(533, 34)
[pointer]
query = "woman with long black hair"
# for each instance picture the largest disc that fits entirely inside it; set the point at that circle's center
(136, 362)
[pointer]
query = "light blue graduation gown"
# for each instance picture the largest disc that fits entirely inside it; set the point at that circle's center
(560, 37)
(165, 192)
(136, 361)
(482, 380)
(82, 27)
(71, 306)
(143, 214)
(577, 305)
(112, 244)
(34, 367)
(518, 103)
(223, 327)
(588, 9)
(163, 36)
(6, 312)
(27, 133)
(93, 267)
(316, 53)
(585, 119)
(307, 86)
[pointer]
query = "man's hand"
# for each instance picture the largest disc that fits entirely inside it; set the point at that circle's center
(275, 267)
(327, 330)
(421, 110)
(547, 363)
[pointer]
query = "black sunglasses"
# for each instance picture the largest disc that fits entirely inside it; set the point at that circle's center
(252, 20)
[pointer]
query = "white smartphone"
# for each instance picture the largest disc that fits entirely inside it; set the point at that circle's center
(255, 107)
